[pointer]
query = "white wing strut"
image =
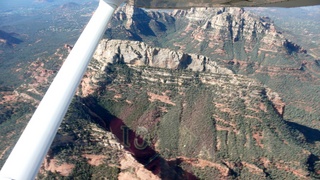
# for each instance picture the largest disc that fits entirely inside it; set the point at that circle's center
(29, 152)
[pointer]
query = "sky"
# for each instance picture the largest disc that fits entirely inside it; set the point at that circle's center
(11, 4)
(8, 4)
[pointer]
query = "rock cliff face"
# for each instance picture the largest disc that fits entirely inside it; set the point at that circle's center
(231, 33)
(133, 23)
(134, 53)
(225, 33)
(140, 54)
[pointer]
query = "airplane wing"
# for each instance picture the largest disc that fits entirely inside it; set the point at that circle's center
(178, 4)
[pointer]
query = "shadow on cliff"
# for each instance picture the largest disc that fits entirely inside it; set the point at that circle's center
(133, 143)
(311, 135)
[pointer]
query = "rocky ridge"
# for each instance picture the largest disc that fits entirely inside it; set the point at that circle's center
(140, 54)
(231, 32)
(134, 53)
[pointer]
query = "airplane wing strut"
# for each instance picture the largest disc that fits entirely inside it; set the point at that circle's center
(28, 154)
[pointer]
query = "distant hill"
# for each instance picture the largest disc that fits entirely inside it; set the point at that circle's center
(70, 6)
(44, 0)
(9, 39)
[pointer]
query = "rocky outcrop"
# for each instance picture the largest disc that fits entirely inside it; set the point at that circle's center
(293, 47)
(277, 102)
(141, 54)
(134, 53)
(131, 13)
(220, 33)
(138, 23)
(221, 28)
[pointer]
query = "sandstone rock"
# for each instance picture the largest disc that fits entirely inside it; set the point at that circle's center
(140, 54)
(278, 104)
